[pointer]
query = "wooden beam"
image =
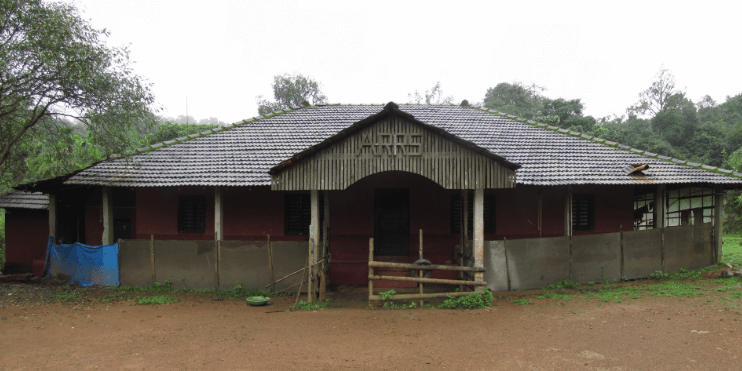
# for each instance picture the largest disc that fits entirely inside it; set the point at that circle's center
(718, 222)
(326, 225)
(427, 280)
(107, 217)
(53, 217)
(660, 196)
(376, 264)
(478, 252)
(420, 296)
(218, 214)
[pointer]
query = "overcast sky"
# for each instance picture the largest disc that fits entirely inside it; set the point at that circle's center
(222, 54)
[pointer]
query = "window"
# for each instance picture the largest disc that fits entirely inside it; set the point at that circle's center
(489, 214)
(583, 212)
(298, 214)
(192, 214)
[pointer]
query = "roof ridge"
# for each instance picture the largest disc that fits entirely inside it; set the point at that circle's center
(695, 165)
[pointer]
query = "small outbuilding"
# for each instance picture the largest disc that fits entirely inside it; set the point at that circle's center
(26, 230)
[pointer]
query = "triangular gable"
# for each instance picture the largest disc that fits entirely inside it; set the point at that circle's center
(393, 140)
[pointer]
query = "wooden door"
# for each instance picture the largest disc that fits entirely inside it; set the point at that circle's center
(392, 221)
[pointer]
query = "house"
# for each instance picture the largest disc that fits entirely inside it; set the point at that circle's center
(338, 175)
(26, 230)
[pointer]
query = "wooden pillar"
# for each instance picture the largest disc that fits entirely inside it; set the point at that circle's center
(326, 226)
(53, 216)
(478, 235)
(314, 238)
(107, 216)
(718, 221)
(568, 212)
(218, 214)
(659, 206)
(464, 231)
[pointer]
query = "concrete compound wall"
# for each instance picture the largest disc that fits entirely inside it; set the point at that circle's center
(538, 262)
(192, 263)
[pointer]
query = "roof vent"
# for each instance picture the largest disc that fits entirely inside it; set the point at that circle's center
(636, 169)
(464, 103)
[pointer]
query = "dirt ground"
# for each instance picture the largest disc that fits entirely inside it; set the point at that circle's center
(197, 333)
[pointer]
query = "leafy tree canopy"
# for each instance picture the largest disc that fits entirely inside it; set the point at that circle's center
(56, 67)
(291, 91)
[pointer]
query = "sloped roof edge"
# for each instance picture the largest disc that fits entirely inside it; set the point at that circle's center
(609, 143)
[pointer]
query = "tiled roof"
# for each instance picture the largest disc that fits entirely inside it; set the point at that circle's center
(24, 200)
(242, 154)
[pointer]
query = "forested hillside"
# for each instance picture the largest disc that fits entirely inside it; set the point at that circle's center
(664, 120)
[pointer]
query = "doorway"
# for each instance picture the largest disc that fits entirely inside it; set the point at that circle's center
(392, 221)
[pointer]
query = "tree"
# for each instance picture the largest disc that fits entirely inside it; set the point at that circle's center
(291, 91)
(516, 99)
(55, 65)
(656, 97)
(432, 96)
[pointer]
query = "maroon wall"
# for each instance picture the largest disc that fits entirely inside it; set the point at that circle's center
(26, 237)
(253, 213)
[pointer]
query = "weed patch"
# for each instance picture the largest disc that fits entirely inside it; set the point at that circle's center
(551, 295)
(666, 289)
(522, 301)
(680, 275)
(471, 301)
(613, 293)
(562, 285)
(68, 296)
(303, 305)
(158, 299)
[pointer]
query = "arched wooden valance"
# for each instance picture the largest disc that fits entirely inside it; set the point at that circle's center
(394, 143)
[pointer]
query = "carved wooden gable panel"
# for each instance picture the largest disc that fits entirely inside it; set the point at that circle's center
(394, 144)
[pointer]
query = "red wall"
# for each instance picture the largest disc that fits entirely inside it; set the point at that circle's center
(26, 236)
(253, 213)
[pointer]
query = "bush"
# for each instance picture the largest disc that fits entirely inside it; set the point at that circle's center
(471, 301)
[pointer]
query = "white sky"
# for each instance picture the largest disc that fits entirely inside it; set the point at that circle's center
(222, 54)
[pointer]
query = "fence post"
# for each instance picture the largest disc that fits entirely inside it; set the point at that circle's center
(152, 256)
(620, 242)
(420, 273)
(370, 272)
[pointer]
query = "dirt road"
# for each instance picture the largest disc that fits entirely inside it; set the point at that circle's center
(199, 333)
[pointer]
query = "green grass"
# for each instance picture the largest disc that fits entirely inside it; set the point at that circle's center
(551, 295)
(68, 296)
(522, 301)
(616, 293)
(157, 299)
(562, 285)
(672, 288)
(732, 249)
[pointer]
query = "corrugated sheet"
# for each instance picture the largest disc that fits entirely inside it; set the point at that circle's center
(24, 200)
(242, 155)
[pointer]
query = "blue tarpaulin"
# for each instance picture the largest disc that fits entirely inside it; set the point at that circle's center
(83, 264)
